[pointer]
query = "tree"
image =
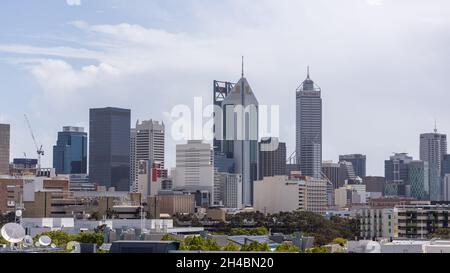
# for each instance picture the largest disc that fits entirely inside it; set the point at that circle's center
(168, 237)
(6, 218)
(442, 233)
(340, 241)
(59, 238)
(231, 247)
(259, 231)
(285, 247)
(199, 243)
(317, 250)
(255, 246)
(89, 238)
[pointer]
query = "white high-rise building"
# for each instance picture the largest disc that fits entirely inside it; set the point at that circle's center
(148, 139)
(194, 167)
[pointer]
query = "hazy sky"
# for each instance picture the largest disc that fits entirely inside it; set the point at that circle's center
(383, 65)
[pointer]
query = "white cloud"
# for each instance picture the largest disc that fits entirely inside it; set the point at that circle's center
(374, 2)
(73, 2)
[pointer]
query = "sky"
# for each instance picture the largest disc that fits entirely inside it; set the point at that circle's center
(382, 65)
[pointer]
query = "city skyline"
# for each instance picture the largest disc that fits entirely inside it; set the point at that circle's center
(354, 122)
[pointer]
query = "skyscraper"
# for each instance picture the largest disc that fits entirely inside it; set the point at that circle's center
(4, 148)
(418, 177)
(396, 172)
(149, 143)
(346, 172)
(309, 128)
(433, 148)
(70, 151)
(272, 162)
(358, 161)
(109, 147)
(331, 171)
(236, 131)
(133, 163)
(445, 166)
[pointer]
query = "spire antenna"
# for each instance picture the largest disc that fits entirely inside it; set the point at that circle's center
(308, 72)
(242, 67)
(435, 126)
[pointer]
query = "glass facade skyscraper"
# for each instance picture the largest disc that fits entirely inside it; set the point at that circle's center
(418, 177)
(109, 147)
(433, 148)
(309, 128)
(70, 151)
(358, 161)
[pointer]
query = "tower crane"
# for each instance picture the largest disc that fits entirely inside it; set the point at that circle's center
(39, 149)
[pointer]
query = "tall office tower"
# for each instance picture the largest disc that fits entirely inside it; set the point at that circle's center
(133, 163)
(149, 145)
(4, 148)
(150, 141)
(445, 166)
(236, 136)
(446, 188)
(358, 161)
(396, 172)
(433, 148)
(346, 172)
(272, 157)
(109, 147)
(331, 171)
(222, 163)
(70, 151)
(418, 177)
(309, 128)
(194, 168)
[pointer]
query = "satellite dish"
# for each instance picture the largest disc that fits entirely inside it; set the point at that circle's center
(28, 241)
(37, 244)
(74, 246)
(45, 240)
(53, 246)
(13, 233)
(18, 213)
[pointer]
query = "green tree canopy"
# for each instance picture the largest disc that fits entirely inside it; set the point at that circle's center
(286, 247)
(340, 241)
(255, 246)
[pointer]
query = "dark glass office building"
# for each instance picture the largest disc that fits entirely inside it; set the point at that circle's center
(109, 147)
(70, 151)
(358, 161)
(272, 157)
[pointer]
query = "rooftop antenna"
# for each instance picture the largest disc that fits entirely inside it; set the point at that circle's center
(435, 126)
(308, 72)
(242, 75)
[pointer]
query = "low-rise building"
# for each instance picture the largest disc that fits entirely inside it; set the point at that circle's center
(403, 221)
(377, 223)
(285, 194)
(173, 202)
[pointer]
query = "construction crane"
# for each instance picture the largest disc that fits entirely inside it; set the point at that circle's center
(39, 149)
